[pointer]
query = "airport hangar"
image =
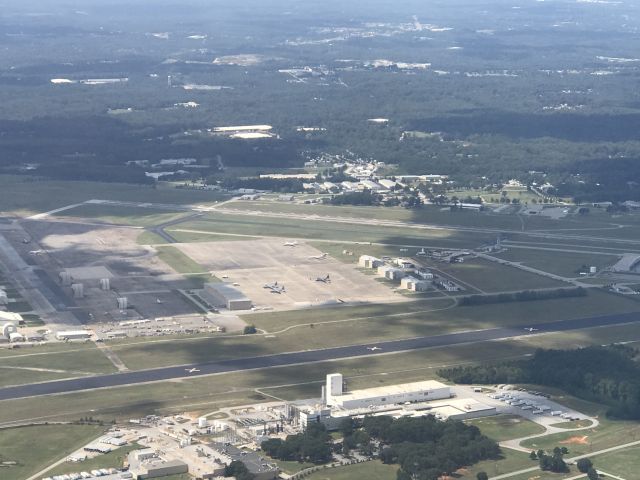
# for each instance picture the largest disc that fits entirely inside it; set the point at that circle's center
(226, 296)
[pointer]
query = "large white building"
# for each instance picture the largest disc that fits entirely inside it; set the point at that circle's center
(335, 396)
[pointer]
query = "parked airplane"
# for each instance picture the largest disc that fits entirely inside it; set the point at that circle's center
(274, 287)
(531, 329)
(159, 301)
(318, 257)
(373, 349)
(326, 279)
(191, 370)
(290, 244)
(421, 253)
(37, 252)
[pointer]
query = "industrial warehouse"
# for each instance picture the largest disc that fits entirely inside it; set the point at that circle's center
(410, 399)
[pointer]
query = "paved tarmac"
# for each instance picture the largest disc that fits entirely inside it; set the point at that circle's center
(305, 357)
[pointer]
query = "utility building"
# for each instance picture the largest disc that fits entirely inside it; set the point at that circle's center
(367, 261)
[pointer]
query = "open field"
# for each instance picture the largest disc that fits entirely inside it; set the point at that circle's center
(150, 238)
(134, 216)
(35, 447)
(506, 427)
(374, 470)
(566, 264)
(252, 264)
(24, 195)
(361, 330)
(608, 434)
(492, 277)
(321, 230)
(623, 463)
(178, 260)
(510, 461)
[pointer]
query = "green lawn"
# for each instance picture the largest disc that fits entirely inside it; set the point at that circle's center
(291, 467)
(622, 463)
(150, 238)
(36, 447)
(373, 470)
(135, 216)
(336, 231)
(25, 195)
(506, 427)
(358, 329)
(179, 261)
(565, 264)
(510, 461)
(608, 434)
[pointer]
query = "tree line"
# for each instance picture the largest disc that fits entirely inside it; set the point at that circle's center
(608, 375)
(523, 296)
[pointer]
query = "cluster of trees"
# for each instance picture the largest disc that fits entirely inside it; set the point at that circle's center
(608, 375)
(523, 296)
(238, 470)
(552, 463)
(427, 448)
(365, 198)
(313, 446)
(585, 465)
(282, 185)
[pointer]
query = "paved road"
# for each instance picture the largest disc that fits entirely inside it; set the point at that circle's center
(305, 357)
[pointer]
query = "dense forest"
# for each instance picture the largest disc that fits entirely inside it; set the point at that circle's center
(426, 448)
(493, 93)
(607, 375)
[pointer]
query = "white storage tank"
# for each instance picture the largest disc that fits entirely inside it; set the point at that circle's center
(202, 422)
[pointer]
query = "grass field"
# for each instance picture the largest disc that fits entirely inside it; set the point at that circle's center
(134, 216)
(506, 427)
(510, 461)
(357, 329)
(177, 260)
(25, 195)
(35, 447)
(150, 238)
(321, 230)
(566, 264)
(623, 463)
(374, 470)
(608, 434)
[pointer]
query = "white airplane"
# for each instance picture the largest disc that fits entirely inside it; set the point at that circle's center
(531, 329)
(318, 257)
(421, 253)
(290, 244)
(37, 252)
(373, 349)
(159, 301)
(191, 370)
(274, 287)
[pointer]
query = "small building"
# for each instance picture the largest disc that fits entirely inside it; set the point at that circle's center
(367, 261)
(227, 296)
(12, 317)
(286, 198)
(424, 274)
(73, 335)
(371, 185)
(391, 273)
(404, 263)
(415, 284)
(388, 184)
(15, 337)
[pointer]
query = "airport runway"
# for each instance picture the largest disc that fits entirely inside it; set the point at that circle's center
(305, 357)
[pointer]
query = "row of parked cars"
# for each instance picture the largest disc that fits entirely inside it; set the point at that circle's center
(92, 474)
(534, 406)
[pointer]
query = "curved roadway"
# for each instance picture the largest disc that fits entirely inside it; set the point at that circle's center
(305, 357)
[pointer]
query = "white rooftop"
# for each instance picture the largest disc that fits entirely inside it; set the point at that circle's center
(393, 390)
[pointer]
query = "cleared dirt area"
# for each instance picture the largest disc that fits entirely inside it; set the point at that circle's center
(255, 263)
